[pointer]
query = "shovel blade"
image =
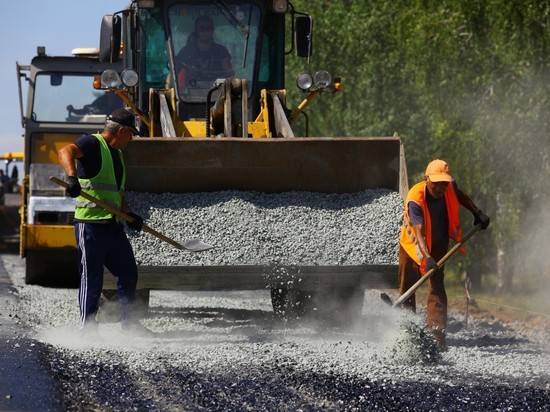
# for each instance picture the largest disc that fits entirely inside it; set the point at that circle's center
(386, 299)
(196, 245)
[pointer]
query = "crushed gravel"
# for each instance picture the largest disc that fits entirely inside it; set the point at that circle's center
(252, 228)
(225, 351)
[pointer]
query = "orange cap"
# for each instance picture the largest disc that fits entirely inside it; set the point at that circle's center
(439, 171)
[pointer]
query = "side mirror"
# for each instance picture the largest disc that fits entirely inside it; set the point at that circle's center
(303, 36)
(109, 38)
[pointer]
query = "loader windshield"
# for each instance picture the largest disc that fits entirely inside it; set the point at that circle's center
(70, 98)
(212, 41)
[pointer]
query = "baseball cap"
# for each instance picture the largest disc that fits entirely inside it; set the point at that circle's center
(124, 118)
(439, 171)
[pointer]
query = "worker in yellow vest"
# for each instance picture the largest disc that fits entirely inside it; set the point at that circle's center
(94, 164)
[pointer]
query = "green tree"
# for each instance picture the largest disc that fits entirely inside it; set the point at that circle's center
(463, 80)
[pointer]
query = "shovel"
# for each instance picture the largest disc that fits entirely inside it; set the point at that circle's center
(384, 296)
(193, 245)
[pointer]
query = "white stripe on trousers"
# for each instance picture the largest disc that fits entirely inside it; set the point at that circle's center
(83, 292)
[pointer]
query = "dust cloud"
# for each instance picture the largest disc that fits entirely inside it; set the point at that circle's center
(514, 121)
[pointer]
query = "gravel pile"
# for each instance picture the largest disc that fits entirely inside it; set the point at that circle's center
(252, 228)
(225, 351)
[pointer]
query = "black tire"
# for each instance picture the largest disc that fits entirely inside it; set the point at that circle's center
(52, 268)
(340, 306)
(289, 304)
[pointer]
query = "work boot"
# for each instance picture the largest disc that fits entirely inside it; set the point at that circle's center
(134, 328)
(89, 332)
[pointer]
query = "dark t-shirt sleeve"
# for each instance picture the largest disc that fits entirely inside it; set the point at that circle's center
(416, 214)
(88, 165)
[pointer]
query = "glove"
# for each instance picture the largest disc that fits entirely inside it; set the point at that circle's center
(74, 188)
(137, 223)
(431, 264)
(480, 217)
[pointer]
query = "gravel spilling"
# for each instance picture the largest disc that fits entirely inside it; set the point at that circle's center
(252, 228)
(225, 351)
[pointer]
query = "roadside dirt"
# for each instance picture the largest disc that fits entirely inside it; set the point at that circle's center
(515, 319)
(518, 320)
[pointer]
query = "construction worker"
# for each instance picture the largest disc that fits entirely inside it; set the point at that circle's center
(202, 58)
(430, 218)
(94, 164)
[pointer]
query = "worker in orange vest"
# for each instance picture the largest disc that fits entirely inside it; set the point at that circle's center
(430, 218)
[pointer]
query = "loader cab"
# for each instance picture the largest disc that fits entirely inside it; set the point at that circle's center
(61, 102)
(203, 39)
(168, 49)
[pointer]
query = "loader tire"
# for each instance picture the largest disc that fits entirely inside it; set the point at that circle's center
(52, 268)
(289, 304)
(338, 307)
(331, 307)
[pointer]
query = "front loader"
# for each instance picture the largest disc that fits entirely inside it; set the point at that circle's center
(235, 129)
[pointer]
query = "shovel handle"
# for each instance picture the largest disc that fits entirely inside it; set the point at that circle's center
(441, 262)
(119, 213)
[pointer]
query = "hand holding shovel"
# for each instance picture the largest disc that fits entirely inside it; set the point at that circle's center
(193, 245)
(384, 296)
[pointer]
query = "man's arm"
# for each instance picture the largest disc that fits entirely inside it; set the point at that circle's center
(465, 200)
(479, 216)
(423, 246)
(224, 58)
(417, 222)
(67, 157)
(421, 239)
(417, 219)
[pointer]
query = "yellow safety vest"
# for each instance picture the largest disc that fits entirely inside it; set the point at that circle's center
(103, 186)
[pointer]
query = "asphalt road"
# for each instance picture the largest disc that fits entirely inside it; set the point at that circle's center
(25, 384)
(224, 351)
(25, 381)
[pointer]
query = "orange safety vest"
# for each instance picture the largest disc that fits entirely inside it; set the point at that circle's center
(408, 238)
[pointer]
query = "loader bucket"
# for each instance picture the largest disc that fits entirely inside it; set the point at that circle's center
(325, 165)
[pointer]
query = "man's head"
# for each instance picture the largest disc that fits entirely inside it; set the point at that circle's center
(437, 177)
(204, 23)
(120, 127)
(124, 118)
(204, 29)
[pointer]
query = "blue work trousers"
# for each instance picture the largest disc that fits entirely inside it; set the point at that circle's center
(99, 245)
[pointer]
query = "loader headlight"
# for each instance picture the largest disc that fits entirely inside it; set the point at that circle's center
(322, 79)
(304, 81)
(129, 78)
(110, 79)
(280, 6)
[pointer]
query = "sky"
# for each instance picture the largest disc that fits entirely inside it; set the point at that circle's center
(60, 26)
